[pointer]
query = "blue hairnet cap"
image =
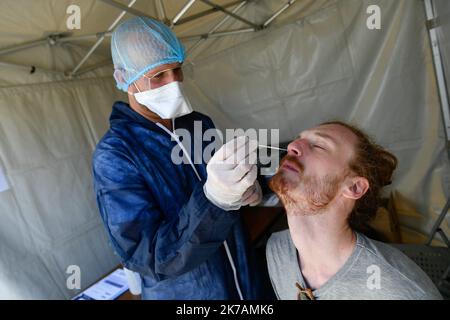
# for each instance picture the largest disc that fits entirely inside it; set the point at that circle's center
(139, 45)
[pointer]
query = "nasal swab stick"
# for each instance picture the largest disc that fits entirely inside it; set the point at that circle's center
(270, 147)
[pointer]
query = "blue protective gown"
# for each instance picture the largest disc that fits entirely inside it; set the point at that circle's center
(157, 217)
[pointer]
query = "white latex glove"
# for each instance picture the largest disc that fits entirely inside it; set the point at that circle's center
(231, 172)
(253, 196)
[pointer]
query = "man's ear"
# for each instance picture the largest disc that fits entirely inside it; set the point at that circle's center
(356, 188)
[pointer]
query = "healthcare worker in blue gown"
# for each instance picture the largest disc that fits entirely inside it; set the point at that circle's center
(177, 225)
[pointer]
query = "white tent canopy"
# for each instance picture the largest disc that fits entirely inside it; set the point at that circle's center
(287, 65)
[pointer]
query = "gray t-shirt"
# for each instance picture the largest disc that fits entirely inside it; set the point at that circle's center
(374, 270)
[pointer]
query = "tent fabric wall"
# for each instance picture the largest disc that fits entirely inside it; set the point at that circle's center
(49, 217)
(318, 62)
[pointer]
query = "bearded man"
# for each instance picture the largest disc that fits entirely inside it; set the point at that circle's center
(330, 183)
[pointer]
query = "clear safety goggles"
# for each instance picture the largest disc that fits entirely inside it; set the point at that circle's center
(161, 77)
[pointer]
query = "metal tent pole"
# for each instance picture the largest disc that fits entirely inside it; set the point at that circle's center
(278, 12)
(85, 37)
(127, 8)
(206, 13)
(181, 12)
(443, 94)
(217, 34)
(162, 15)
(94, 67)
(218, 25)
(100, 40)
(436, 227)
(235, 16)
(438, 66)
(212, 32)
(22, 46)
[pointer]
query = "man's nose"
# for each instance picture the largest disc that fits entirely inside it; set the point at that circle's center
(174, 75)
(295, 148)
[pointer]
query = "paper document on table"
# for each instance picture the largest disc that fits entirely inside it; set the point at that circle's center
(108, 288)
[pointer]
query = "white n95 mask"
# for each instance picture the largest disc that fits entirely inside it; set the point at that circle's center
(167, 101)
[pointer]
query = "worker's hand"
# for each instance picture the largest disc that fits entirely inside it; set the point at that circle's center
(231, 172)
(253, 195)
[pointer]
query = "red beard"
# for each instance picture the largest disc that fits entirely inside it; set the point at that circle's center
(306, 195)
